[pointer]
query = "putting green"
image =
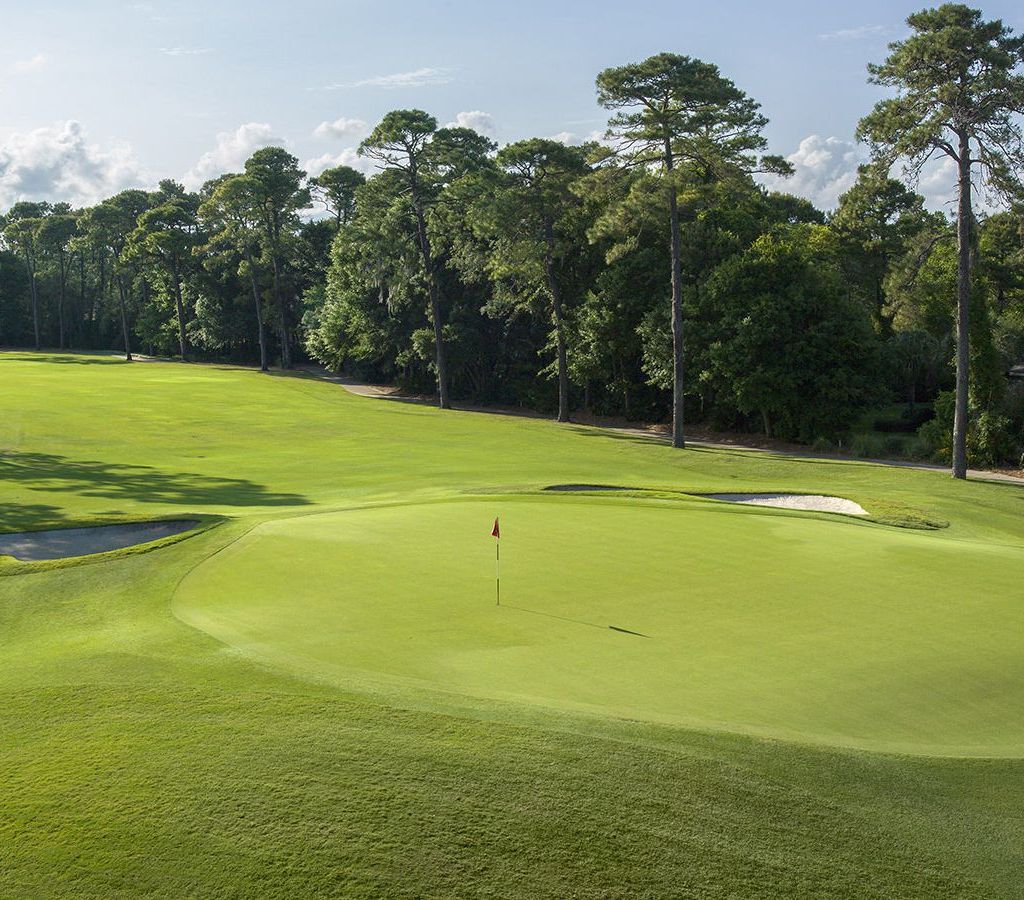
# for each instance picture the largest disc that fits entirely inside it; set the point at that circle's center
(779, 625)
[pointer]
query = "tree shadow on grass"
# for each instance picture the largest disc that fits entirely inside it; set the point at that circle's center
(613, 434)
(64, 357)
(143, 484)
(20, 516)
(763, 453)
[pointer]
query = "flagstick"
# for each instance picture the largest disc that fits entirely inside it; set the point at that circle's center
(497, 571)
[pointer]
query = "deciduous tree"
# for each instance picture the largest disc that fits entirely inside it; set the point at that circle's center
(530, 219)
(20, 230)
(232, 215)
(424, 159)
(276, 185)
(166, 236)
(336, 189)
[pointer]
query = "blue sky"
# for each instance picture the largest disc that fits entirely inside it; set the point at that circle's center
(98, 95)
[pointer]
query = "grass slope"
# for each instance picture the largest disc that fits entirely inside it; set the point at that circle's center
(343, 721)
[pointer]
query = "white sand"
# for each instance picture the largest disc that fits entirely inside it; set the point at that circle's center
(61, 543)
(813, 502)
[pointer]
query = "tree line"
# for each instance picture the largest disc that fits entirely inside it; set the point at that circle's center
(649, 275)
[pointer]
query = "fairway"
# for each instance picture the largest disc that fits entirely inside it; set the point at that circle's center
(815, 630)
(318, 688)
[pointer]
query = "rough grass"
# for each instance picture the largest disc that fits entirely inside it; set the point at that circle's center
(141, 756)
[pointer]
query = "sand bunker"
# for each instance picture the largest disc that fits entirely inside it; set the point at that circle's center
(813, 502)
(61, 543)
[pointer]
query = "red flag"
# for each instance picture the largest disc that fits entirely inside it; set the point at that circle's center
(496, 531)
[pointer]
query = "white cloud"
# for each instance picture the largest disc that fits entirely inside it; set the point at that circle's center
(60, 163)
(341, 129)
(572, 139)
(824, 168)
(32, 64)
(428, 75)
(232, 149)
(150, 11)
(477, 120)
(854, 34)
(347, 157)
(185, 51)
(938, 185)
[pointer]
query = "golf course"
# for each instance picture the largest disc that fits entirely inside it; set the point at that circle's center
(314, 689)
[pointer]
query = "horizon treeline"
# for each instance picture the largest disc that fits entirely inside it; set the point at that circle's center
(649, 276)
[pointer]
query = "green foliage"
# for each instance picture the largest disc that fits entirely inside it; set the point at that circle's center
(788, 346)
(993, 437)
(529, 226)
(15, 315)
(876, 221)
(918, 362)
(956, 77)
(336, 189)
(673, 109)
(419, 162)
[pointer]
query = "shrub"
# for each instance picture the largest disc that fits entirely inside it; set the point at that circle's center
(918, 448)
(990, 442)
(893, 445)
(866, 446)
(908, 421)
(993, 438)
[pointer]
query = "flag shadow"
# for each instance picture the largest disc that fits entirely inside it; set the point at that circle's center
(546, 615)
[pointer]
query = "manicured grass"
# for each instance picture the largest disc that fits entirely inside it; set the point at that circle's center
(319, 696)
(825, 631)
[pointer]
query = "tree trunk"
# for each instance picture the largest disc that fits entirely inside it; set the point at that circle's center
(556, 304)
(82, 313)
(95, 295)
(440, 356)
(286, 350)
(884, 322)
(259, 312)
(124, 319)
(963, 354)
(34, 293)
(678, 348)
(180, 309)
(60, 301)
